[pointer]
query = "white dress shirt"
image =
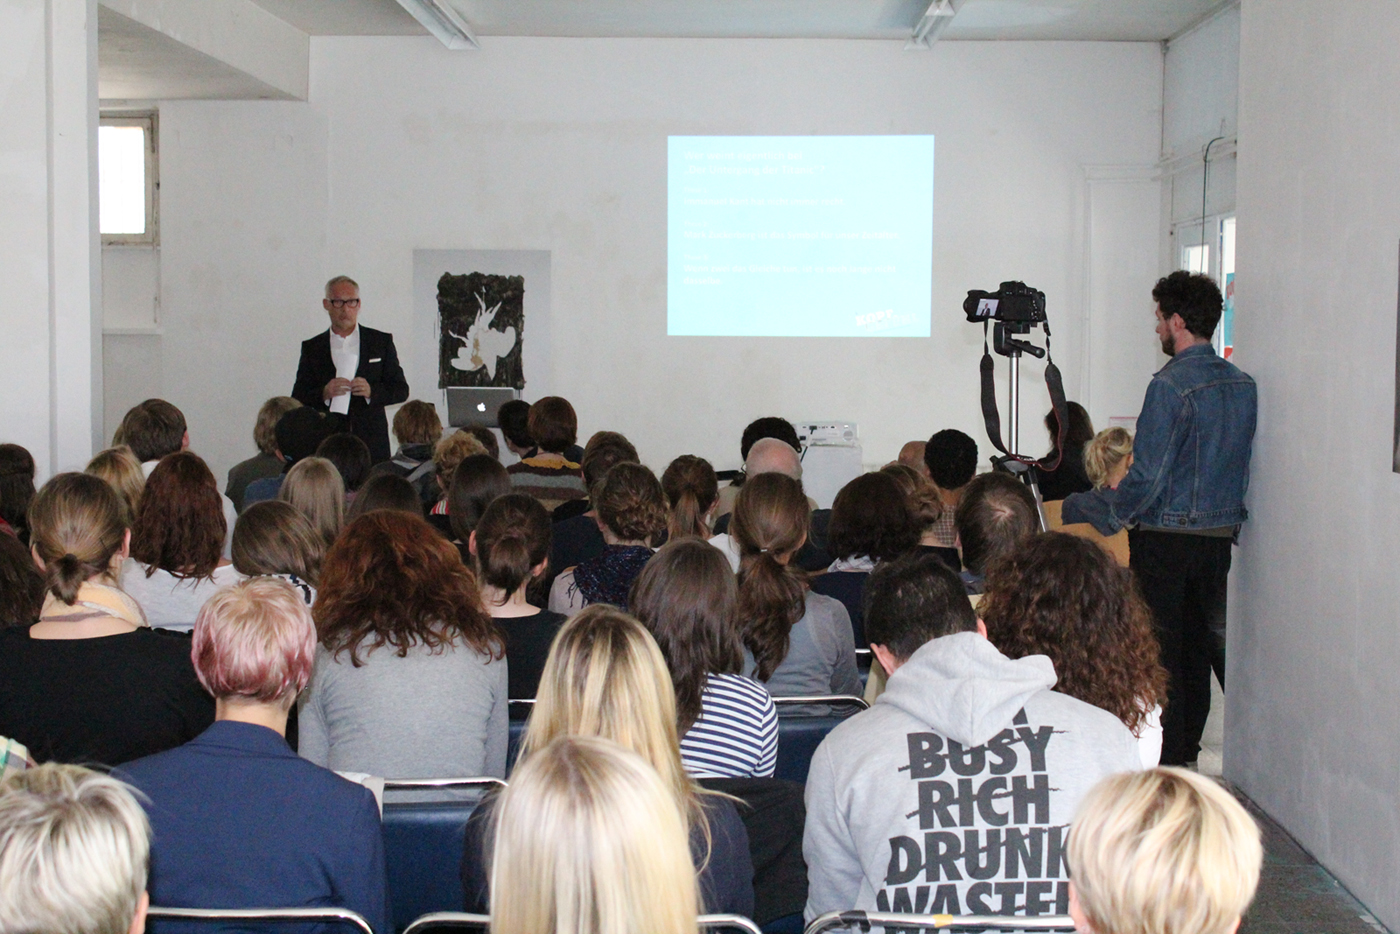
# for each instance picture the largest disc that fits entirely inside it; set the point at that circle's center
(345, 354)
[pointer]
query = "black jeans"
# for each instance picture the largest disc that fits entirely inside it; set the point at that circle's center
(1183, 579)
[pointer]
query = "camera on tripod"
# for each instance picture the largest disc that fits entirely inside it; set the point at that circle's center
(1015, 307)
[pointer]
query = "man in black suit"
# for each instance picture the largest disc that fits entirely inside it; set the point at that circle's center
(352, 371)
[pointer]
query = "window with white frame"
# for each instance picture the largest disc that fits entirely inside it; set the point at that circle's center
(1210, 249)
(127, 179)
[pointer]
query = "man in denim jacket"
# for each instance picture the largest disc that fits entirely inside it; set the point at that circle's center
(1183, 500)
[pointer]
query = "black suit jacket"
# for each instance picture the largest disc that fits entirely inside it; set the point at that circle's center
(379, 365)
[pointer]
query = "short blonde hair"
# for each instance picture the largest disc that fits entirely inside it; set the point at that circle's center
(1164, 851)
(452, 450)
(314, 487)
(588, 841)
(74, 852)
(120, 468)
(1105, 452)
(254, 640)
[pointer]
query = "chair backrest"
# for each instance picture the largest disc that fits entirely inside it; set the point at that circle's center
(459, 919)
(800, 733)
(773, 813)
(220, 916)
(519, 719)
(889, 920)
(423, 844)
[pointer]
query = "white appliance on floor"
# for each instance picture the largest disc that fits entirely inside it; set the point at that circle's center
(831, 457)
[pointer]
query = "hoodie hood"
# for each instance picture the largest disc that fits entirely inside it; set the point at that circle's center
(965, 689)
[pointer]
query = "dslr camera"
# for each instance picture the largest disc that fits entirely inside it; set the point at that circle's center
(1014, 302)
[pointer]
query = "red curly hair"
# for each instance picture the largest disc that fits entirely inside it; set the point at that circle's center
(1065, 597)
(391, 579)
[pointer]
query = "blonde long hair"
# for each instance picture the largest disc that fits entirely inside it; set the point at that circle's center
(588, 841)
(605, 676)
(314, 488)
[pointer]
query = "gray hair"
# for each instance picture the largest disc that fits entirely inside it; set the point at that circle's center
(340, 280)
(74, 852)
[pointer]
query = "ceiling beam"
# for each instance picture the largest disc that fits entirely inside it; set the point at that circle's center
(932, 24)
(441, 19)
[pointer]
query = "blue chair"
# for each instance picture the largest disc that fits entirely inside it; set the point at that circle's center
(423, 848)
(219, 916)
(519, 720)
(799, 734)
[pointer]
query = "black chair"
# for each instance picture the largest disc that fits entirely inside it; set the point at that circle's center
(773, 813)
(459, 919)
(220, 916)
(891, 921)
(519, 719)
(423, 847)
(801, 732)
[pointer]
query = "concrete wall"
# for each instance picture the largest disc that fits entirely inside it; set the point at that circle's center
(559, 145)
(1314, 701)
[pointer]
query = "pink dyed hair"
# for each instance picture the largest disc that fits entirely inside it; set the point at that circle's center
(254, 640)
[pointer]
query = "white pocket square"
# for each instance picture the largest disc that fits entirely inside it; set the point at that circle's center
(376, 359)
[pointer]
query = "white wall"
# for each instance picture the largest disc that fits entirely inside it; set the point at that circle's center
(1314, 701)
(560, 145)
(48, 230)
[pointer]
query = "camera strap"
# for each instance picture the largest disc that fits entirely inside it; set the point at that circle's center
(1054, 384)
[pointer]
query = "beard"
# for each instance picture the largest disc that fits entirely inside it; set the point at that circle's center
(1168, 347)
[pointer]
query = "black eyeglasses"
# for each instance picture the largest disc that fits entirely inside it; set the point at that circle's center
(344, 302)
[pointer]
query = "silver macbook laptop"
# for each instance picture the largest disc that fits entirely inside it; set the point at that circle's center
(476, 406)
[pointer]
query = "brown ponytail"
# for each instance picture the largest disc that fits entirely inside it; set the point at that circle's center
(691, 488)
(770, 521)
(77, 522)
(512, 538)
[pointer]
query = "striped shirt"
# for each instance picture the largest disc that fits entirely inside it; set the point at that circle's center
(550, 478)
(737, 733)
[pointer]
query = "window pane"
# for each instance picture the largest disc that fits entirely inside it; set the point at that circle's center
(121, 179)
(1227, 246)
(1196, 259)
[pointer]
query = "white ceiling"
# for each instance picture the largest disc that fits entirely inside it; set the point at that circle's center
(1128, 20)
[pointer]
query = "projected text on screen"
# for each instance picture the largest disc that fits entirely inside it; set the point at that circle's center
(812, 236)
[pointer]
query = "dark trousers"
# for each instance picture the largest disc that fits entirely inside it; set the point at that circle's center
(1183, 579)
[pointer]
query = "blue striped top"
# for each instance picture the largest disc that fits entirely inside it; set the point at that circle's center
(736, 735)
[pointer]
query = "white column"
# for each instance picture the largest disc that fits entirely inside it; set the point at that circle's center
(50, 376)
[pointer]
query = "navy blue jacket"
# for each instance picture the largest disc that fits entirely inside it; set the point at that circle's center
(1190, 454)
(238, 820)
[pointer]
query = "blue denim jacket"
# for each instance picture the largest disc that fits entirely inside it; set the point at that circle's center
(1190, 455)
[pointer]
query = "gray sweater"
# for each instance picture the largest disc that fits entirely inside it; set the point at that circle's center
(422, 716)
(821, 656)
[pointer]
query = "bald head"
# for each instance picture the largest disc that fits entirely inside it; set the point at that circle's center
(769, 455)
(912, 455)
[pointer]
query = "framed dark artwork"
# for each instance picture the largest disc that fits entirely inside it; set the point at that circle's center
(481, 327)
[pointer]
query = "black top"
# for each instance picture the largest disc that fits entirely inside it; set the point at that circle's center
(379, 365)
(569, 509)
(1069, 477)
(849, 588)
(527, 645)
(106, 700)
(575, 541)
(948, 556)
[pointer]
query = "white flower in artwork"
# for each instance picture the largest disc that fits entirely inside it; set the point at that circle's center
(483, 347)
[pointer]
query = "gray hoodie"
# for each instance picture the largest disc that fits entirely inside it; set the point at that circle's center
(954, 793)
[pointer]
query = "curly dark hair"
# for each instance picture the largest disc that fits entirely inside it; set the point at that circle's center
(770, 426)
(1066, 598)
(871, 516)
(1194, 296)
(631, 503)
(22, 587)
(390, 579)
(180, 527)
(951, 458)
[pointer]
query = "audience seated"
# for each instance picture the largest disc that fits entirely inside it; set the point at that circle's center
(385, 491)
(16, 489)
(1164, 851)
(119, 467)
(21, 584)
(177, 541)
(1108, 457)
(774, 455)
(74, 848)
(313, 488)
(487, 437)
(996, 513)
(476, 482)
(631, 512)
(912, 455)
(796, 642)
(577, 537)
(953, 793)
(870, 523)
(450, 451)
(299, 434)
(238, 819)
(548, 475)
(951, 459)
(589, 841)
(1065, 598)
(266, 463)
(1068, 477)
(351, 458)
(687, 598)
(514, 419)
(760, 428)
(692, 491)
(926, 507)
(91, 681)
(605, 677)
(410, 678)
(273, 539)
(156, 428)
(511, 548)
(417, 428)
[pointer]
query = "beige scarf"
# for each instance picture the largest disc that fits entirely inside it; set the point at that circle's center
(94, 600)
